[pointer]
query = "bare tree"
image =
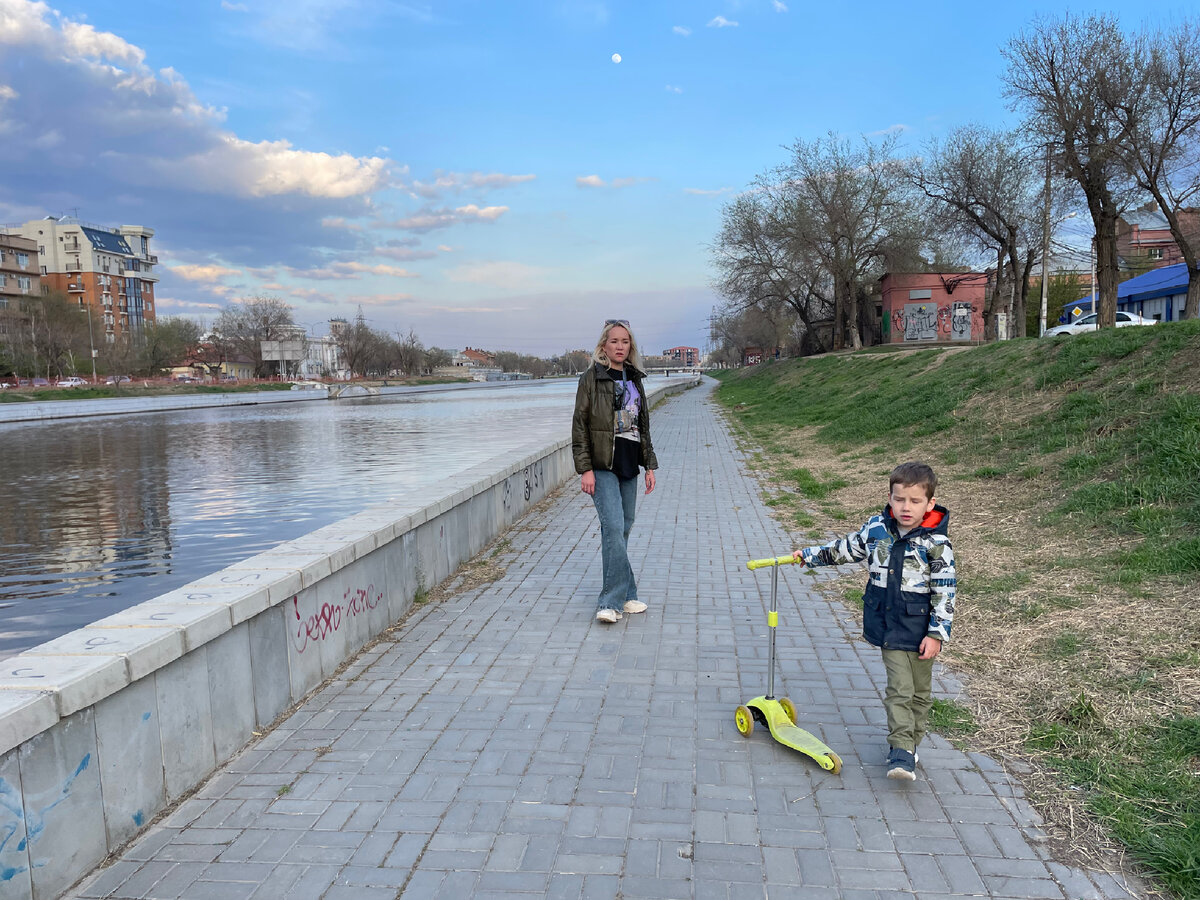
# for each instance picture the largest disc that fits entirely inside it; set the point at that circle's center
(850, 206)
(985, 188)
(1161, 120)
(242, 328)
(761, 265)
(357, 344)
(1068, 77)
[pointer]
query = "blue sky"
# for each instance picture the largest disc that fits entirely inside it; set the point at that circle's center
(479, 171)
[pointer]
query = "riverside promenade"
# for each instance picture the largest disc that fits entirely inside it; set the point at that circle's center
(500, 743)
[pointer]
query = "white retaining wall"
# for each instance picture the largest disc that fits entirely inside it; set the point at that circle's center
(104, 727)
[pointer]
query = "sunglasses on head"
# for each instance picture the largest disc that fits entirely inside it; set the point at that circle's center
(624, 323)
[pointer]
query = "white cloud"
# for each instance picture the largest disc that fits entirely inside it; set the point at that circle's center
(674, 89)
(721, 22)
(234, 7)
(458, 182)
(271, 168)
(595, 181)
(682, 29)
(358, 268)
(202, 272)
(779, 5)
(7, 93)
(431, 219)
(394, 251)
(707, 193)
(507, 275)
(340, 222)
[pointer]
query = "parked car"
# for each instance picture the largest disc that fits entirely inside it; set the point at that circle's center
(71, 381)
(186, 379)
(1088, 323)
(117, 379)
(39, 382)
(227, 378)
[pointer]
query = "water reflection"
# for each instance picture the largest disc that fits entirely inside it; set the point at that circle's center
(103, 513)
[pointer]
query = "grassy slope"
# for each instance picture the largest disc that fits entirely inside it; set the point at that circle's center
(1075, 472)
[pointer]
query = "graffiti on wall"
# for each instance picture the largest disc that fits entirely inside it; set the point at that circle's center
(927, 322)
(329, 618)
(534, 479)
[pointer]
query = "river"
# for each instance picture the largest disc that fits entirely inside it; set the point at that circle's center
(102, 513)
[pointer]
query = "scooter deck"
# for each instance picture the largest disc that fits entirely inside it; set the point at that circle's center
(785, 731)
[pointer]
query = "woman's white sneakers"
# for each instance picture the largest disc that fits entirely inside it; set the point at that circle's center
(611, 615)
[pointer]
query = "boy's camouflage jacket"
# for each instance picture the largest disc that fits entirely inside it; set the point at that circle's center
(911, 582)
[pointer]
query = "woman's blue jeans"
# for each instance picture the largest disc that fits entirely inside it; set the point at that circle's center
(616, 502)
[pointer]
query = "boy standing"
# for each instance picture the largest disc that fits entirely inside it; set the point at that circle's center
(908, 603)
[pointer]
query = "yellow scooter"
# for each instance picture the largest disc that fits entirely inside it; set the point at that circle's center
(780, 715)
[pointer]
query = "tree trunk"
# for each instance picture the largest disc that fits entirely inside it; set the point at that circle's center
(1106, 268)
(1191, 309)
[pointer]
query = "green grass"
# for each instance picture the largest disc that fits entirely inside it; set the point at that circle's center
(1109, 423)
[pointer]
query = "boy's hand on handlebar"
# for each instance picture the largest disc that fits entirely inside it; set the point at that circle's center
(798, 556)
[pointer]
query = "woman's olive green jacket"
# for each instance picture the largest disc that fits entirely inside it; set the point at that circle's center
(593, 428)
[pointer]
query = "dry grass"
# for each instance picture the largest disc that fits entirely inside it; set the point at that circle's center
(1037, 625)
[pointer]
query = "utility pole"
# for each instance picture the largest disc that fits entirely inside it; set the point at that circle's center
(1045, 248)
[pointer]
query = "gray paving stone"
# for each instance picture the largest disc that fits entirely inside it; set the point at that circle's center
(501, 743)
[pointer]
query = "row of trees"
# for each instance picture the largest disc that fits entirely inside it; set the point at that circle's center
(50, 336)
(1109, 119)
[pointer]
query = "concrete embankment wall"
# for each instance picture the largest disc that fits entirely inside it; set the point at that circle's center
(45, 410)
(105, 727)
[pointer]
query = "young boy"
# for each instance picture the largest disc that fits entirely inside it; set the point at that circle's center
(908, 603)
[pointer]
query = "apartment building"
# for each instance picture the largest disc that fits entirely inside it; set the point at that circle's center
(107, 270)
(19, 271)
(685, 357)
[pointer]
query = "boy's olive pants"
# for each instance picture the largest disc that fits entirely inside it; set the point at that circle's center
(908, 697)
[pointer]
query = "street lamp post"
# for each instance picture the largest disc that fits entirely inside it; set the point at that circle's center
(91, 342)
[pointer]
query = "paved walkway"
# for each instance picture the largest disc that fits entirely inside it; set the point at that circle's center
(502, 744)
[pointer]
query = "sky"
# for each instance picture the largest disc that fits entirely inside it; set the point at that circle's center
(484, 173)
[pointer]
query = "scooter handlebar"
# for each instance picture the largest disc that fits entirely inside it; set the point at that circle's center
(773, 561)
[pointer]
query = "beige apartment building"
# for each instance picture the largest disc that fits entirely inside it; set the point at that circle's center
(107, 270)
(20, 274)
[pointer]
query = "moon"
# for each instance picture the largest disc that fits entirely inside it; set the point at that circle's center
(616, 57)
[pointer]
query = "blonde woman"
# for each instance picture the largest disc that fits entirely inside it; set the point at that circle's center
(610, 441)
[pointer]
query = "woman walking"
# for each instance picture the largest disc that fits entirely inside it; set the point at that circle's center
(610, 440)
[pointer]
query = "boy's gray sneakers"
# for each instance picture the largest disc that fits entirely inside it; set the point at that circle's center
(901, 764)
(634, 606)
(607, 615)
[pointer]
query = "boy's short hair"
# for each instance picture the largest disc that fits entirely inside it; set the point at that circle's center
(911, 473)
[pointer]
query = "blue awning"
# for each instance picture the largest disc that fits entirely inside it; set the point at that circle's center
(1165, 282)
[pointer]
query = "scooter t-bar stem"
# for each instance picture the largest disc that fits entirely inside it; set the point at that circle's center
(773, 561)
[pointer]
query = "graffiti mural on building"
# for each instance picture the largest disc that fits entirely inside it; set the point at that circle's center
(917, 321)
(927, 322)
(960, 321)
(329, 618)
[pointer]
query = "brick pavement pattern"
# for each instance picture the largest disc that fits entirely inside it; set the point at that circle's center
(503, 744)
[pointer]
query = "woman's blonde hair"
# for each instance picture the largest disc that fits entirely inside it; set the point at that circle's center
(598, 355)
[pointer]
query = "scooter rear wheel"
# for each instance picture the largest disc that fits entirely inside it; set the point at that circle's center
(837, 762)
(745, 721)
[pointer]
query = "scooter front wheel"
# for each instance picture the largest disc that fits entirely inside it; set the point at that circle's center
(745, 721)
(837, 762)
(788, 707)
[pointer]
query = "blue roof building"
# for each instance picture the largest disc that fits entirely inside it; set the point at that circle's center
(1158, 294)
